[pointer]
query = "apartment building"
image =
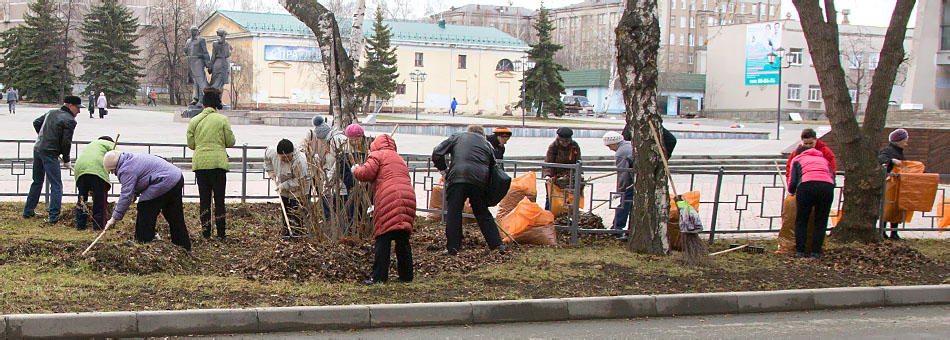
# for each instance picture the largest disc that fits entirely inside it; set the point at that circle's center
(516, 21)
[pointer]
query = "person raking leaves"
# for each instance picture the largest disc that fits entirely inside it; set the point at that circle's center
(289, 168)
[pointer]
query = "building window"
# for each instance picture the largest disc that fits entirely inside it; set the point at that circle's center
(795, 56)
(704, 5)
(945, 28)
(732, 7)
(613, 17)
(690, 59)
(855, 60)
(672, 39)
(601, 18)
(681, 57)
(418, 59)
(692, 22)
(772, 10)
(682, 4)
(873, 59)
(794, 92)
(682, 40)
(401, 89)
(504, 65)
(691, 41)
(462, 61)
(742, 8)
(700, 41)
(814, 93)
(854, 96)
(761, 9)
(672, 21)
(710, 21)
(682, 22)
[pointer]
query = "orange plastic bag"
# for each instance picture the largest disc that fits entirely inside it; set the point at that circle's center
(944, 222)
(526, 217)
(557, 196)
(893, 213)
(834, 216)
(435, 203)
(917, 192)
(524, 186)
(786, 235)
(673, 228)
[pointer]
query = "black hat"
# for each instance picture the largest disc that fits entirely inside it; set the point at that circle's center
(565, 134)
(211, 98)
(73, 100)
(285, 147)
(107, 138)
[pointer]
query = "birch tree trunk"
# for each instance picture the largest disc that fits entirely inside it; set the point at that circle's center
(638, 42)
(356, 35)
(340, 78)
(614, 74)
(857, 144)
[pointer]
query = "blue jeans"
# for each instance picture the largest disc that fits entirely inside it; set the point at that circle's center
(623, 211)
(45, 166)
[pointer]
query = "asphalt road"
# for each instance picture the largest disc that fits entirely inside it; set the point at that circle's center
(929, 322)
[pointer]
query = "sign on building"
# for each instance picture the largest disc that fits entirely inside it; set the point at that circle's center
(762, 39)
(292, 53)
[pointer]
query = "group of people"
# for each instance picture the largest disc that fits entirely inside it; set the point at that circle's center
(98, 102)
(811, 177)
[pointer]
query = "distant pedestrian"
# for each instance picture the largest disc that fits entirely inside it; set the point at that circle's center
(92, 103)
(151, 98)
(465, 179)
(810, 139)
(454, 105)
(394, 208)
(498, 139)
(564, 150)
(623, 159)
(102, 104)
(92, 177)
(813, 184)
(158, 186)
(891, 155)
(55, 137)
(209, 134)
(289, 168)
(12, 97)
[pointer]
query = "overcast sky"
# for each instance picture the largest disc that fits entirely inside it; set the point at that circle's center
(871, 12)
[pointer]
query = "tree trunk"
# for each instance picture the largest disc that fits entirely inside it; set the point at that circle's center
(857, 145)
(356, 35)
(340, 79)
(610, 87)
(638, 41)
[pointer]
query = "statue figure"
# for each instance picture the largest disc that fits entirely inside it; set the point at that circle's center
(220, 67)
(198, 61)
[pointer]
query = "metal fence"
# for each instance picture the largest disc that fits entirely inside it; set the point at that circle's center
(732, 202)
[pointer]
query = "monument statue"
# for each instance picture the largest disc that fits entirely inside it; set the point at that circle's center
(198, 61)
(220, 66)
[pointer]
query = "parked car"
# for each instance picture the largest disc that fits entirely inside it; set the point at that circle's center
(577, 105)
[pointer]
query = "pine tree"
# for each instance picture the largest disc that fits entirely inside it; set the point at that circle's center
(33, 58)
(543, 84)
(109, 51)
(378, 77)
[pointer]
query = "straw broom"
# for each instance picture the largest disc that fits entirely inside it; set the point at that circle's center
(694, 249)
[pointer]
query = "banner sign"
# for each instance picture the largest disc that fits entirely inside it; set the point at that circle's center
(762, 39)
(292, 53)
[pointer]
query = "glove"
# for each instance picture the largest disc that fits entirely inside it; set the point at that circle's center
(69, 165)
(353, 168)
(110, 223)
(369, 211)
(896, 161)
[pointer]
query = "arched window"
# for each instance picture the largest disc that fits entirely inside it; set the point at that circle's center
(505, 65)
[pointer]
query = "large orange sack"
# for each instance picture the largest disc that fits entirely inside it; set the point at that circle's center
(524, 186)
(528, 223)
(786, 235)
(673, 228)
(558, 196)
(892, 212)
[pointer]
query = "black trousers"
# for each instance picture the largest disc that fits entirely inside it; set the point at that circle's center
(170, 205)
(456, 194)
(100, 193)
(102, 113)
(211, 185)
(403, 256)
(818, 196)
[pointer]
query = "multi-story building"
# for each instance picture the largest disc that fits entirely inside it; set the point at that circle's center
(742, 85)
(516, 21)
(586, 31)
(928, 79)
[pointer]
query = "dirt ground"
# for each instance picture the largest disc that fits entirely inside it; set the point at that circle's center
(41, 269)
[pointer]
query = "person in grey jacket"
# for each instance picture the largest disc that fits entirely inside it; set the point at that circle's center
(466, 178)
(12, 97)
(623, 159)
(55, 137)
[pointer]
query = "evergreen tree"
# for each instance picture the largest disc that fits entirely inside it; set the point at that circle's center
(109, 51)
(33, 58)
(378, 77)
(543, 84)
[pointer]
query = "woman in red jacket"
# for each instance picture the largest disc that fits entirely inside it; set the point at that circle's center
(394, 207)
(813, 184)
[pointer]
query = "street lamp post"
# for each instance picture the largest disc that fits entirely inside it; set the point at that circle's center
(524, 64)
(417, 77)
(776, 61)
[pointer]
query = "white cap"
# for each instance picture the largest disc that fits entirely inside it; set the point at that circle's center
(611, 138)
(111, 160)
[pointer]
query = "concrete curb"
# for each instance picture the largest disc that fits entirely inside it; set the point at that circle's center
(289, 319)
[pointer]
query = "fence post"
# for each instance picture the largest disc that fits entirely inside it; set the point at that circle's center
(576, 209)
(715, 213)
(882, 224)
(244, 173)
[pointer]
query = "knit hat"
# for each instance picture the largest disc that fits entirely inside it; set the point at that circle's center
(565, 134)
(502, 132)
(354, 130)
(611, 138)
(285, 147)
(897, 135)
(111, 160)
(318, 120)
(322, 131)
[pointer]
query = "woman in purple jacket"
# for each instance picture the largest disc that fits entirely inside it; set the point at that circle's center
(813, 184)
(158, 186)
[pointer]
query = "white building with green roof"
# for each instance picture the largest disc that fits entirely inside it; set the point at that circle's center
(280, 63)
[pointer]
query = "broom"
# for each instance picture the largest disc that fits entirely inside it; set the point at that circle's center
(694, 249)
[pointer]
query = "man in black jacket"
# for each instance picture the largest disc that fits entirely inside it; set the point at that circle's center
(466, 178)
(55, 137)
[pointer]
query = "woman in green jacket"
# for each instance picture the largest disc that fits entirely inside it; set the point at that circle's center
(92, 177)
(209, 134)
